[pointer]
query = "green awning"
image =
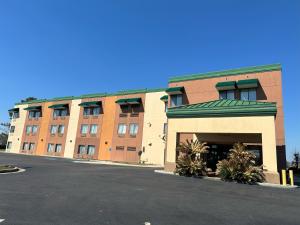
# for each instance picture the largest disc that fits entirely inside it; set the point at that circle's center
(164, 98)
(59, 106)
(90, 104)
(250, 83)
(131, 101)
(14, 110)
(175, 90)
(223, 108)
(226, 85)
(33, 108)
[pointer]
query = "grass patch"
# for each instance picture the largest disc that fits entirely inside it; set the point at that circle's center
(8, 168)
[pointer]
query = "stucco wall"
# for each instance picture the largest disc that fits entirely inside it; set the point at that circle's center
(263, 125)
(154, 119)
(16, 137)
(72, 128)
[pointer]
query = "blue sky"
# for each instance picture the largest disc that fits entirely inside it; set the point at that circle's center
(61, 48)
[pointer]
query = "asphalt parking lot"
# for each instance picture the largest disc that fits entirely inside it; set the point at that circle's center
(56, 191)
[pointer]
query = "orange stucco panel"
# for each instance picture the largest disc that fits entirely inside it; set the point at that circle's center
(107, 128)
(44, 127)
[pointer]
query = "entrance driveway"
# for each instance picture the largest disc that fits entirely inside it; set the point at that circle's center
(59, 192)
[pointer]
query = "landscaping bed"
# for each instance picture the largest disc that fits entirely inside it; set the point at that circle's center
(8, 169)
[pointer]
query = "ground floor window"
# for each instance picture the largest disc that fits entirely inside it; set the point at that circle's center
(81, 149)
(25, 146)
(31, 146)
(58, 148)
(50, 147)
(91, 149)
(9, 144)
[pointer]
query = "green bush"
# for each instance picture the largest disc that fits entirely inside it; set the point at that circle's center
(240, 166)
(190, 161)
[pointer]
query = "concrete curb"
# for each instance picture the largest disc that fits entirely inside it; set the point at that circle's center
(19, 171)
(116, 164)
(219, 179)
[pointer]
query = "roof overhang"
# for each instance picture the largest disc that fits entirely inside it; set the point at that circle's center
(59, 106)
(14, 110)
(224, 108)
(164, 98)
(34, 108)
(250, 83)
(226, 85)
(175, 90)
(129, 101)
(91, 104)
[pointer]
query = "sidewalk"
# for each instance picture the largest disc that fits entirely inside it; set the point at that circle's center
(97, 162)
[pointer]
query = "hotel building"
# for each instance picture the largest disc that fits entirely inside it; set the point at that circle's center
(145, 126)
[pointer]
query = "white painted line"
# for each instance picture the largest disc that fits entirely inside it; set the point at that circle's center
(147, 223)
(2, 220)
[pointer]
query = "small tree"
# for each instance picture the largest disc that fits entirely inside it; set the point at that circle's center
(28, 99)
(190, 161)
(240, 166)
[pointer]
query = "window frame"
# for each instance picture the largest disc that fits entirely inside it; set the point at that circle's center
(124, 129)
(135, 129)
(81, 129)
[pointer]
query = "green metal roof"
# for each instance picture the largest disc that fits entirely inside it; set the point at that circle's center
(175, 89)
(222, 108)
(14, 110)
(232, 72)
(226, 85)
(58, 106)
(129, 101)
(164, 98)
(90, 104)
(32, 108)
(96, 95)
(61, 98)
(247, 83)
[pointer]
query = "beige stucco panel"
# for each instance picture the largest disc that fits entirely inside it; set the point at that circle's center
(16, 137)
(263, 125)
(154, 119)
(72, 128)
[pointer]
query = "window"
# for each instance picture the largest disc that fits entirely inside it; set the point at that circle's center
(133, 129)
(50, 148)
(53, 129)
(31, 146)
(25, 146)
(60, 112)
(61, 129)
(16, 115)
(96, 111)
(84, 129)
(176, 100)
(94, 129)
(34, 129)
(34, 114)
(12, 129)
(248, 94)
(229, 94)
(122, 129)
(58, 148)
(91, 149)
(165, 128)
(81, 149)
(166, 106)
(131, 148)
(9, 144)
(120, 148)
(28, 129)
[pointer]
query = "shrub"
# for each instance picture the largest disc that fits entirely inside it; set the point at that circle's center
(190, 162)
(240, 166)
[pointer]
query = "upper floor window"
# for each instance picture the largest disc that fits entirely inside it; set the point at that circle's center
(53, 129)
(133, 129)
(34, 129)
(165, 128)
(84, 129)
(61, 129)
(12, 129)
(60, 112)
(176, 100)
(14, 114)
(94, 129)
(166, 106)
(122, 129)
(248, 94)
(28, 129)
(34, 114)
(95, 111)
(228, 94)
